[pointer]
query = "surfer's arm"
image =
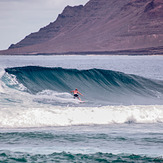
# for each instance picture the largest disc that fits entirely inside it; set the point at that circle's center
(80, 94)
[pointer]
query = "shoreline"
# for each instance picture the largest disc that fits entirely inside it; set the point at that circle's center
(152, 51)
(80, 55)
(86, 54)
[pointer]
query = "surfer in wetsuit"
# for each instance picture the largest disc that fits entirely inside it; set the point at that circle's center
(76, 92)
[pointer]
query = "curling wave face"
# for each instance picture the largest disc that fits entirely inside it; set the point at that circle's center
(100, 87)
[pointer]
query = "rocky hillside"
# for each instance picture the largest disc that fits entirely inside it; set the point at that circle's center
(101, 26)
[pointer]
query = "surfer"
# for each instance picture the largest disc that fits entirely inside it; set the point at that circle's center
(76, 92)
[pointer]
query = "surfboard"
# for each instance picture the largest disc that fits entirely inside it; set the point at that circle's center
(81, 101)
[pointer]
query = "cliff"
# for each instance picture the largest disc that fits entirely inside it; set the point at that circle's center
(99, 26)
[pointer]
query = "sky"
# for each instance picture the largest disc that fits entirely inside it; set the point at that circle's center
(19, 18)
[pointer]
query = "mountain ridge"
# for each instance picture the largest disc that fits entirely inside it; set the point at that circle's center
(105, 25)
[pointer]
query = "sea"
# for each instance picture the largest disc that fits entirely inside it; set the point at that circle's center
(120, 120)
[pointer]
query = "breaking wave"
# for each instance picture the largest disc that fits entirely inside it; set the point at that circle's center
(68, 116)
(100, 87)
(40, 97)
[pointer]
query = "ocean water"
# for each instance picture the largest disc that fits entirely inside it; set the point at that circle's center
(121, 119)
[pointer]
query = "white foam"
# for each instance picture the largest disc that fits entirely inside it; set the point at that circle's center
(12, 82)
(1, 83)
(66, 116)
(53, 97)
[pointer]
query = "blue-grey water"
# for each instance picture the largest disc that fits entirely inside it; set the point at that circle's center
(120, 121)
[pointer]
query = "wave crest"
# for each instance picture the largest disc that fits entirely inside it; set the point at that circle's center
(98, 85)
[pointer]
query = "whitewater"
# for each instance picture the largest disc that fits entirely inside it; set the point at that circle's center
(121, 119)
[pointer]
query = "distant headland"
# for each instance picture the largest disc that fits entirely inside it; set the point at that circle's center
(113, 27)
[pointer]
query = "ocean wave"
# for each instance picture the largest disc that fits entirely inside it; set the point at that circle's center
(68, 116)
(99, 86)
(8, 156)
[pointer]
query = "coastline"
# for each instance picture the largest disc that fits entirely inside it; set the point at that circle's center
(130, 52)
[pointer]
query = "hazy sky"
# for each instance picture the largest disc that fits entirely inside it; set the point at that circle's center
(19, 18)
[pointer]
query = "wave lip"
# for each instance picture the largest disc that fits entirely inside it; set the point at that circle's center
(99, 86)
(68, 116)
